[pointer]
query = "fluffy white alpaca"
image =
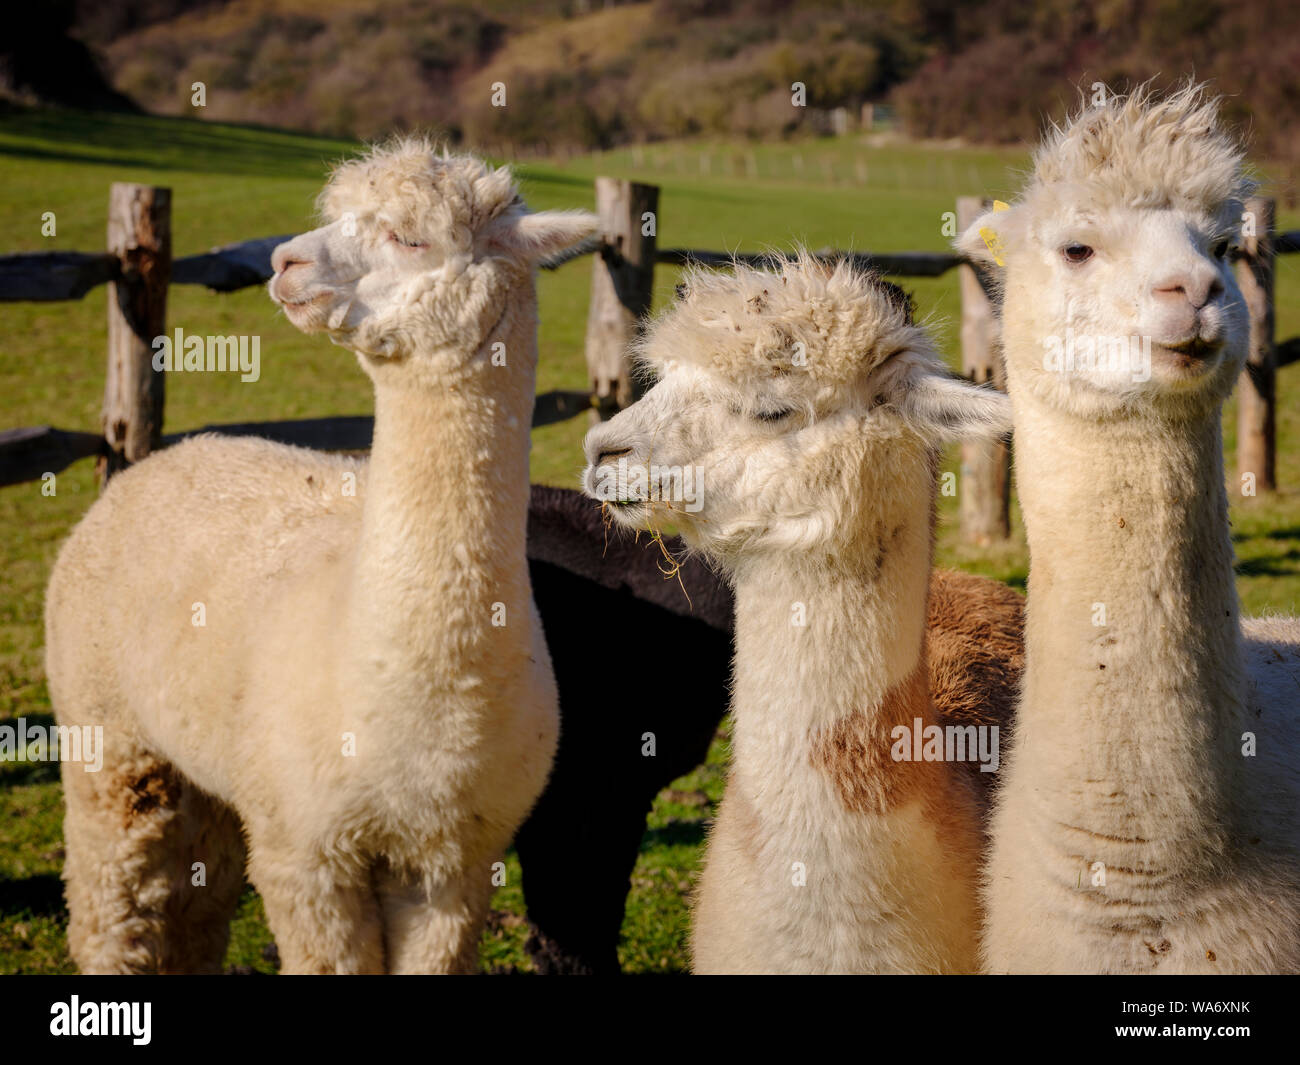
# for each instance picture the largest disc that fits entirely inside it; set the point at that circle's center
(791, 438)
(342, 656)
(1147, 819)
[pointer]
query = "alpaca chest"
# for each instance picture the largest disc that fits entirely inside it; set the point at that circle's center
(812, 887)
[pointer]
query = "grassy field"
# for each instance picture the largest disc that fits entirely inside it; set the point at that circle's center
(231, 183)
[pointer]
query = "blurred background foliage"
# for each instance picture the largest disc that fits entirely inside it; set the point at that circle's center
(581, 74)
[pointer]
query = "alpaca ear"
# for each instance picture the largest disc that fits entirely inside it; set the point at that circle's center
(542, 234)
(986, 240)
(944, 408)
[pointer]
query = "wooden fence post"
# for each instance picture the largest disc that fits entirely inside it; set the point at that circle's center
(1257, 387)
(985, 490)
(622, 284)
(139, 234)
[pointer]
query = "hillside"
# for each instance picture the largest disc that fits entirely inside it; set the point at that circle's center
(583, 73)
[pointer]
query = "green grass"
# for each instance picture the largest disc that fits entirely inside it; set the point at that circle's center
(232, 183)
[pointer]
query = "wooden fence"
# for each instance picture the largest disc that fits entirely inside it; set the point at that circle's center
(138, 268)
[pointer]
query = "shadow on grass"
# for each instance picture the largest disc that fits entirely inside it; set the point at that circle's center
(156, 142)
(41, 896)
(1284, 565)
(42, 720)
(23, 774)
(1239, 536)
(165, 142)
(14, 773)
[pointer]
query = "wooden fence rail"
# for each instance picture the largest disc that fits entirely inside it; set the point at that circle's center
(899, 263)
(137, 266)
(28, 454)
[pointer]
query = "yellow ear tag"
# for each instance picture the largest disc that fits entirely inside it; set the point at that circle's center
(991, 240)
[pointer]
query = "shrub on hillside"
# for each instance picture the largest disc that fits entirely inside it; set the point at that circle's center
(988, 70)
(1018, 63)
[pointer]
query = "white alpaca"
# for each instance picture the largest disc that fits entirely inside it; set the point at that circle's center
(1147, 822)
(791, 437)
(343, 657)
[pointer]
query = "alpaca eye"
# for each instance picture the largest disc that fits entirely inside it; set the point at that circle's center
(773, 415)
(1076, 253)
(407, 243)
(1220, 249)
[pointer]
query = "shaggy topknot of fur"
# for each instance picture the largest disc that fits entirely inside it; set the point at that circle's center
(1147, 151)
(421, 192)
(833, 323)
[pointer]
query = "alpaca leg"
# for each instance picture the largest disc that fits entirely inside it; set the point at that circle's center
(325, 919)
(209, 849)
(576, 919)
(433, 932)
(132, 834)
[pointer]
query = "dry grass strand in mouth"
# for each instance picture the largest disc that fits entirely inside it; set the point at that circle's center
(606, 520)
(674, 567)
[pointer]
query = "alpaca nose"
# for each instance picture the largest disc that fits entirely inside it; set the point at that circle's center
(1196, 287)
(286, 256)
(607, 441)
(611, 453)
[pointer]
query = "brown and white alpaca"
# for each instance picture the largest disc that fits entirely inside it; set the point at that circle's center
(1146, 822)
(580, 568)
(343, 657)
(791, 436)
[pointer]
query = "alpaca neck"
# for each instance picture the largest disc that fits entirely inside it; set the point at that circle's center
(886, 849)
(1134, 681)
(441, 579)
(852, 666)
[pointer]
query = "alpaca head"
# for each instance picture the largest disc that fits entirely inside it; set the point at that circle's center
(789, 405)
(417, 255)
(1118, 294)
